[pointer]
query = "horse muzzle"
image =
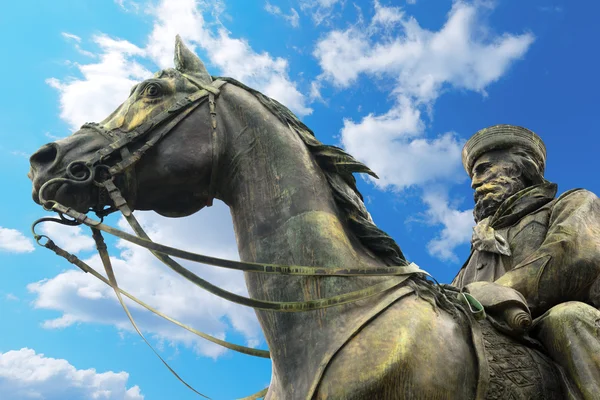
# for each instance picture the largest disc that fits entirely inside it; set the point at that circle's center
(71, 186)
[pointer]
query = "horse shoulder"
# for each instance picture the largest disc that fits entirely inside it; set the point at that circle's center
(410, 351)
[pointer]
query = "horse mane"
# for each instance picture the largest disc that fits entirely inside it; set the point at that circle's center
(338, 167)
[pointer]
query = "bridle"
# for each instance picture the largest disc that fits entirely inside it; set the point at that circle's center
(95, 171)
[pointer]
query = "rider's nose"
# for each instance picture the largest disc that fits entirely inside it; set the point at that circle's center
(45, 156)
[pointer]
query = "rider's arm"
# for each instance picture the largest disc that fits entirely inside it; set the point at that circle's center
(568, 261)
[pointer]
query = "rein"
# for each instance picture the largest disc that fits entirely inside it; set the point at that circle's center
(101, 175)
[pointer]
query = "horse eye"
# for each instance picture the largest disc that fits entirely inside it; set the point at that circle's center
(152, 90)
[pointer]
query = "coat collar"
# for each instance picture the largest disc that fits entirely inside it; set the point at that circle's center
(522, 203)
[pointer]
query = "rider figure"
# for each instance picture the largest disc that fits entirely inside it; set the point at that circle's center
(546, 248)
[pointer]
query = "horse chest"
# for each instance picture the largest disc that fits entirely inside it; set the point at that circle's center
(409, 351)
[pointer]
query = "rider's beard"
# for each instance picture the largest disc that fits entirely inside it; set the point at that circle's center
(492, 194)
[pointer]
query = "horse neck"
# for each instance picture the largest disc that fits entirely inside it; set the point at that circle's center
(282, 206)
(283, 212)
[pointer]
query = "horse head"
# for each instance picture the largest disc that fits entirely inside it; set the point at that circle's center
(173, 180)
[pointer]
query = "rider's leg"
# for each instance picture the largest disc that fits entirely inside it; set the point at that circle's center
(571, 334)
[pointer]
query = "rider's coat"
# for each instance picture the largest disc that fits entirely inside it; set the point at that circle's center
(549, 250)
(554, 248)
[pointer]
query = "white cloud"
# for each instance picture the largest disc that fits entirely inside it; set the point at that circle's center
(293, 18)
(13, 241)
(386, 16)
(77, 40)
(315, 91)
(319, 10)
(26, 375)
(392, 145)
(51, 136)
(20, 153)
(457, 225)
(233, 56)
(11, 297)
(71, 36)
(106, 83)
(70, 238)
(421, 61)
(418, 65)
(103, 86)
(129, 6)
(81, 298)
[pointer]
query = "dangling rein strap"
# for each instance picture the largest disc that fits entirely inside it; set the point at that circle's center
(73, 259)
(102, 250)
(162, 252)
(112, 280)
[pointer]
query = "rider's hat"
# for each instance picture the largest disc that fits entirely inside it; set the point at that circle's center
(503, 137)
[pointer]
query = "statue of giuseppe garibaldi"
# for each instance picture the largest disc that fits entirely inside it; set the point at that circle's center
(545, 248)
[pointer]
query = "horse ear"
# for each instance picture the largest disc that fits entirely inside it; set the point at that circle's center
(187, 62)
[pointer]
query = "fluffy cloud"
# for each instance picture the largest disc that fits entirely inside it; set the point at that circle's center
(386, 16)
(104, 84)
(13, 241)
(456, 224)
(422, 61)
(418, 64)
(81, 298)
(70, 238)
(27, 375)
(392, 145)
(233, 56)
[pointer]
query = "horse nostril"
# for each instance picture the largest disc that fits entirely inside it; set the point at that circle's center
(44, 156)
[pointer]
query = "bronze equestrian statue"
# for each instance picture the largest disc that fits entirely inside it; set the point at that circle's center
(546, 248)
(365, 323)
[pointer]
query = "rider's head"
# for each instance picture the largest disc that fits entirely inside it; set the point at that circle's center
(502, 160)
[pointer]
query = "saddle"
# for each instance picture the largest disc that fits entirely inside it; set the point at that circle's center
(512, 364)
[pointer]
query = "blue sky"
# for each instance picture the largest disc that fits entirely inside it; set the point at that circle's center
(400, 84)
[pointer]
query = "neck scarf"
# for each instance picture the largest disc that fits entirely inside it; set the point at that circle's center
(486, 238)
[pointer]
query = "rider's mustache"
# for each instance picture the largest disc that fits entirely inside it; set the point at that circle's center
(497, 186)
